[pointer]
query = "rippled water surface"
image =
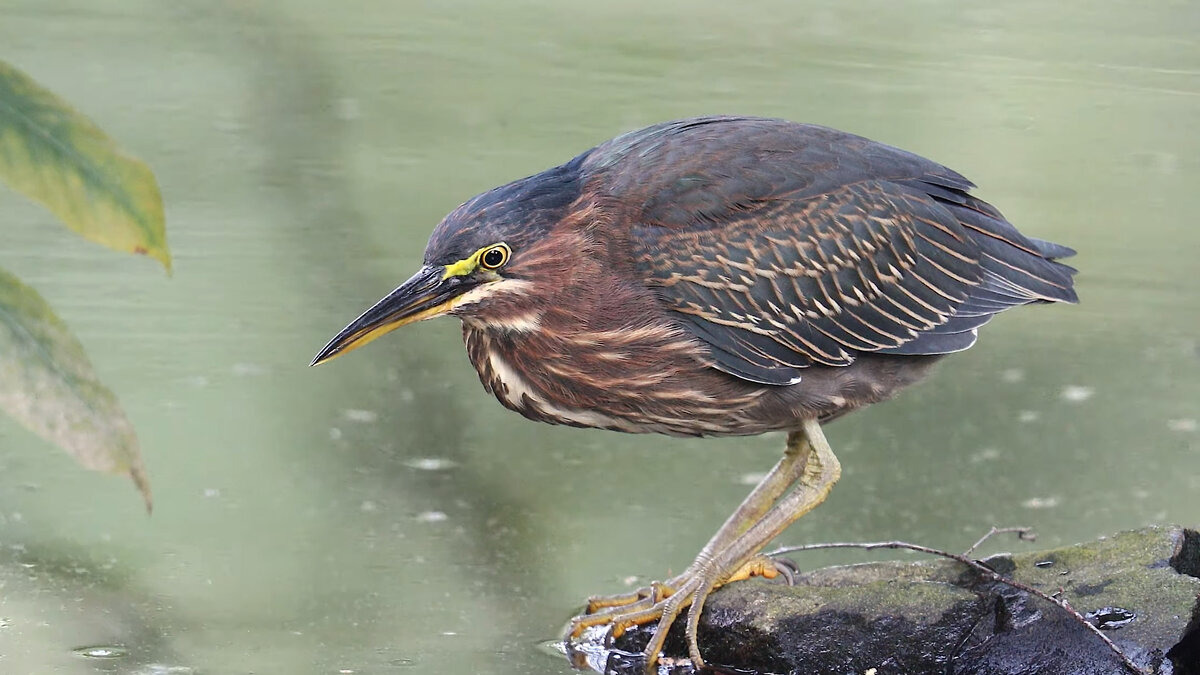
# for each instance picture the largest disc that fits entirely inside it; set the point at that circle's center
(383, 514)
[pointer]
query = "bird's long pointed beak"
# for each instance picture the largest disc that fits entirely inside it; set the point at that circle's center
(429, 293)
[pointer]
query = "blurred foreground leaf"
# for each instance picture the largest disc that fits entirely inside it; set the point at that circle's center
(56, 156)
(47, 384)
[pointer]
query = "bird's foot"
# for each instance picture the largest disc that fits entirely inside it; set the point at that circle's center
(663, 602)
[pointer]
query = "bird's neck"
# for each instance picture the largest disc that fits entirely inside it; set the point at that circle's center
(559, 365)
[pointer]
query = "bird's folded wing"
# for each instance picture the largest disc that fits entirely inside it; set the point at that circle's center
(783, 281)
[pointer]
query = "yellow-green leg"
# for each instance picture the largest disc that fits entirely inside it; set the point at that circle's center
(782, 476)
(808, 466)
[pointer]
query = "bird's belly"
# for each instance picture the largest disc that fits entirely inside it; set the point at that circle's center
(696, 401)
(684, 416)
(520, 391)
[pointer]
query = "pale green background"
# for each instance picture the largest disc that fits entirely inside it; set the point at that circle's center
(305, 150)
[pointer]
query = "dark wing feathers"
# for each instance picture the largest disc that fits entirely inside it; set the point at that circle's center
(1051, 250)
(784, 246)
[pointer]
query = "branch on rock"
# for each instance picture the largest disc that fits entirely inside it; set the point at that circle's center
(1023, 533)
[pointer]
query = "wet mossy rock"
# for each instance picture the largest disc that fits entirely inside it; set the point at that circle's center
(938, 617)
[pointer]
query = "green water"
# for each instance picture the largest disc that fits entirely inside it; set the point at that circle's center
(383, 514)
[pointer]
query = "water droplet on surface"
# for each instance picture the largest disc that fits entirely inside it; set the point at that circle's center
(1040, 503)
(1111, 618)
(1012, 375)
(247, 369)
(752, 478)
(163, 669)
(102, 651)
(985, 455)
(356, 415)
(1185, 424)
(430, 463)
(1075, 393)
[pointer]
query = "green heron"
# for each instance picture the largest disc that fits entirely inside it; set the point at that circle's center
(719, 276)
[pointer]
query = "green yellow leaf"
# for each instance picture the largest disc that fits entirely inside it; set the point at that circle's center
(47, 384)
(54, 155)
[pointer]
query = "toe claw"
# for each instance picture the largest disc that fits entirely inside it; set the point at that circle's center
(787, 569)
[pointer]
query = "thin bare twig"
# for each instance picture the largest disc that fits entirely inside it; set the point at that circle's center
(982, 569)
(1023, 533)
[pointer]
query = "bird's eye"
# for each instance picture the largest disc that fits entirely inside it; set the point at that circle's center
(494, 257)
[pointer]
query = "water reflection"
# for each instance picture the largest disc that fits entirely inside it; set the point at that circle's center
(305, 152)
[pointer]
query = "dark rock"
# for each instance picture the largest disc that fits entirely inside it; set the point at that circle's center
(937, 617)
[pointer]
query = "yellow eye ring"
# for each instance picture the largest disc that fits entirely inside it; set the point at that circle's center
(495, 257)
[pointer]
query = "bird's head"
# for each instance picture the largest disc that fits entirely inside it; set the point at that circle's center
(494, 260)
